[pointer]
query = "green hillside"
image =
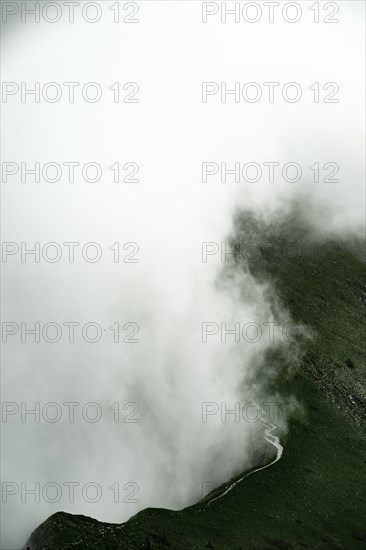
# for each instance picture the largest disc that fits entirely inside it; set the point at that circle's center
(315, 496)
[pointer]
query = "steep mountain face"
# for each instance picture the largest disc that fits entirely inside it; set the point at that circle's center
(315, 496)
(322, 282)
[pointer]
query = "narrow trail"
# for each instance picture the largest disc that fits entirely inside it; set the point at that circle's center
(273, 440)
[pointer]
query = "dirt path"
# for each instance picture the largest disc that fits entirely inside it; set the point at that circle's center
(273, 440)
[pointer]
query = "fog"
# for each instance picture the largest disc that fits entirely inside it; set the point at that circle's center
(170, 452)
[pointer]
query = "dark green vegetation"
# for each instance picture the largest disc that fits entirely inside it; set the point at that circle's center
(315, 496)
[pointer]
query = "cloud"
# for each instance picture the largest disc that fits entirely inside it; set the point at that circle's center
(170, 292)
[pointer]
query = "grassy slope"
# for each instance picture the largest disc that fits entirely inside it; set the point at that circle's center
(315, 496)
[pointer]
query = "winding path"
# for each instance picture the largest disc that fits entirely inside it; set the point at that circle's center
(268, 436)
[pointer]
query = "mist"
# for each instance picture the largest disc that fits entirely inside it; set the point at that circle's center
(160, 444)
